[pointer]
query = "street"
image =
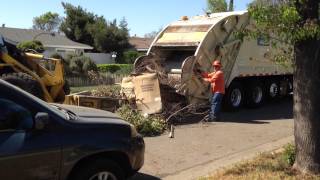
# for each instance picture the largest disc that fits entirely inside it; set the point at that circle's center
(199, 149)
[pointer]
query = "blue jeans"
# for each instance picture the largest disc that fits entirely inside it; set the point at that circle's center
(216, 100)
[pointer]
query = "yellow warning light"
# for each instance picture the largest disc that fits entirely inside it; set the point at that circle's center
(184, 18)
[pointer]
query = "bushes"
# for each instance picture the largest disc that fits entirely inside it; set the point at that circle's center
(116, 68)
(147, 126)
(34, 45)
(130, 56)
(77, 64)
(289, 154)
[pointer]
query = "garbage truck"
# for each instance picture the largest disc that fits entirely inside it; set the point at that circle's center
(187, 47)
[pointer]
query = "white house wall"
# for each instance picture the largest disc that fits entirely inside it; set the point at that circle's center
(98, 58)
(101, 58)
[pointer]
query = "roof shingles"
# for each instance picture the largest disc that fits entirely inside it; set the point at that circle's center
(140, 43)
(16, 35)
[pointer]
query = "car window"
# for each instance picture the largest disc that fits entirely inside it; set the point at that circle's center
(28, 101)
(14, 116)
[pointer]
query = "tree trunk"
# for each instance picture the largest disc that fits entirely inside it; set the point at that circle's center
(307, 106)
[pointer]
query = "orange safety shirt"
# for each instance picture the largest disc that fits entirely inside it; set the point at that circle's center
(217, 81)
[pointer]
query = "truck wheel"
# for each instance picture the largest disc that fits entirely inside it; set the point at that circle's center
(101, 169)
(284, 88)
(234, 97)
(273, 90)
(66, 87)
(255, 95)
(25, 82)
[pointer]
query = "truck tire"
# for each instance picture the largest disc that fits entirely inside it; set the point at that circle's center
(255, 95)
(66, 87)
(100, 167)
(272, 89)
(25, 82)
(234, 97)
(65, 91)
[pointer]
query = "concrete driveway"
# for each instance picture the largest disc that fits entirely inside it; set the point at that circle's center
(199, 149)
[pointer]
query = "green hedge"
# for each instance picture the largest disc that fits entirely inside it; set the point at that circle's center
(116, 68)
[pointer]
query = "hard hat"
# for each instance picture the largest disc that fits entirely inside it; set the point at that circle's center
(216, 63)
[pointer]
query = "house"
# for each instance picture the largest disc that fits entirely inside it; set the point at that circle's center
(52, 42)
(140, 44)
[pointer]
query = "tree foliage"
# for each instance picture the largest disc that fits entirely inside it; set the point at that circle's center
(76, 22)
(130, 56)
(231, 5)
(88, 28)
(215, 6)
(31, 45)
(47, 22)
(76, 65)
(153, 34)
(297, 23)
(281, 23)
(283, 20)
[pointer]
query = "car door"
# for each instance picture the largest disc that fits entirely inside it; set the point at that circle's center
(25, 152)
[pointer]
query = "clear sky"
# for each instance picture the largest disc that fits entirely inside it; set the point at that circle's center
(143, 16)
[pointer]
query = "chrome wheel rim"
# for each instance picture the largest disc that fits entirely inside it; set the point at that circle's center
(273, 90)
(257, 95)
(236, 97)
(103, 176)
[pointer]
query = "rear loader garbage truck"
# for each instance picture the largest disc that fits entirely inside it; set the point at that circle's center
(189, 46)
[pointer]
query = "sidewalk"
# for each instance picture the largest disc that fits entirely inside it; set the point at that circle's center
(204, 170)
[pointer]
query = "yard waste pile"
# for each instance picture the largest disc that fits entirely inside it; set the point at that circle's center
(112, 98)
(103, 97)
(153, 97)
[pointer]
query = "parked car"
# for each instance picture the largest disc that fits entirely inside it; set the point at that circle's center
(52, 141)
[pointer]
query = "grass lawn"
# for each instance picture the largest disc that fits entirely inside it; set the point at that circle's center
(265, 166)
(83, 88)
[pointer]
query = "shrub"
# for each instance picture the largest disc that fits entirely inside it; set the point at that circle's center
(89, 65)
(116, 68)
(78, 65)
(147, 126)
(289, 154)
(34, 45)
(130, 56)
(66, 63)
(56, 56)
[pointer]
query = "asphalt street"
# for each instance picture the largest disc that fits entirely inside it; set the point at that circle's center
(199, 148)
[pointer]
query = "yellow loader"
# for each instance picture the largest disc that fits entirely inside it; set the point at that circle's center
(32, 72)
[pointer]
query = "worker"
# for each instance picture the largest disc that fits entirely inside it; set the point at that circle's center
(216, 79)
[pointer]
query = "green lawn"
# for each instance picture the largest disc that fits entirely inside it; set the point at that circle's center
(83, 88)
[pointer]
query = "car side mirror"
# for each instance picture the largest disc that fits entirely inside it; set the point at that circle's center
(41, 120)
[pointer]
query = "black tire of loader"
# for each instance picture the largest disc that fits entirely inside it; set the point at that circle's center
(25, 82)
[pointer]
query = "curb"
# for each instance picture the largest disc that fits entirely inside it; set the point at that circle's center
(206, 169)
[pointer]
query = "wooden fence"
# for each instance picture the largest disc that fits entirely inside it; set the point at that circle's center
(107, 79)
